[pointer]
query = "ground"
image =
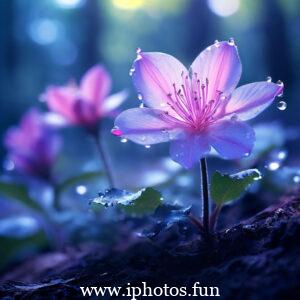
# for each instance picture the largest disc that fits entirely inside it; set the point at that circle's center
(255, 259)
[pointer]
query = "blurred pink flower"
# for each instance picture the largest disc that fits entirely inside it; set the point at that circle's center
(33, 146)
(87, 103)
(196, 109)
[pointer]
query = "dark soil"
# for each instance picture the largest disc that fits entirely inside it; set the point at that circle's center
(256, 259)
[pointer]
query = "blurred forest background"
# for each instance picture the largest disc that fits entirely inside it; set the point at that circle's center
(53, 41)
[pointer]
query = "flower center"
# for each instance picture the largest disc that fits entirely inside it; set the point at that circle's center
(195, 106)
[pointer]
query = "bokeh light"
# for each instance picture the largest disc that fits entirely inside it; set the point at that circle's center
(224, 8)
(43, 31)
(128, 4)
(69, 3)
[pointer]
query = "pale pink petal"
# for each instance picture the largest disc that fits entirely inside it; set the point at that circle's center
(189, 150)
(251, 99)
(220, 65)
(154, 75)
(112, 102)
(231, 139)
(145, 126)
(61, 101)
(95, 84)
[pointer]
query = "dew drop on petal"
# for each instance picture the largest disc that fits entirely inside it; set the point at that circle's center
(138, 50)
(123, 140)
(282, 105)
(269, 79)
(279, 82)
(116, 131)
(140, 96)
(131, 71)
(147, 146)
(231, 41)
(234, 118)
(141, 105)
(217, 43)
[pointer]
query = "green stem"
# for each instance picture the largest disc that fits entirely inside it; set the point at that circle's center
(104, 160)
(205, 197)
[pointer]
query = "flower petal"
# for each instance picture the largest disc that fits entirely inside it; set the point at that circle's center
(61, 101)
(85, 112)
(145, 126)
(221, 66)
(189, 150)
(154, 75)
(95, 84)
(251, 99)
(112, 102)
(231, 139)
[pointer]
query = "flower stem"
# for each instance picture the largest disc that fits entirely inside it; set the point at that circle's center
(104, 160)
(205, 197)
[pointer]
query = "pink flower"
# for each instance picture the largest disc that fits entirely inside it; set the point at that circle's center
(87, 103)
(196, 109)
(33, 146)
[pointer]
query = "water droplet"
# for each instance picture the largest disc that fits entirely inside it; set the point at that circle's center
(208, 48)
(231, 41)
(140, 96)
(279, 82)
(141, 105)
(282, 105)
(273, 166)
(234, 118)
(116, 131)
(147, 146)
(138, 50)
(131, 71)
(217, 43)
(81, 189)
(296, 178)
(123, 140)
(247, 154)
(161, 198)
(269, 79)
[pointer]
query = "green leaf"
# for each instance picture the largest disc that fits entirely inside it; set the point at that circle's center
(12, 248)
(146, 204)
(226, 187)
(20, 193)
(78, 178)
(139, 203)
